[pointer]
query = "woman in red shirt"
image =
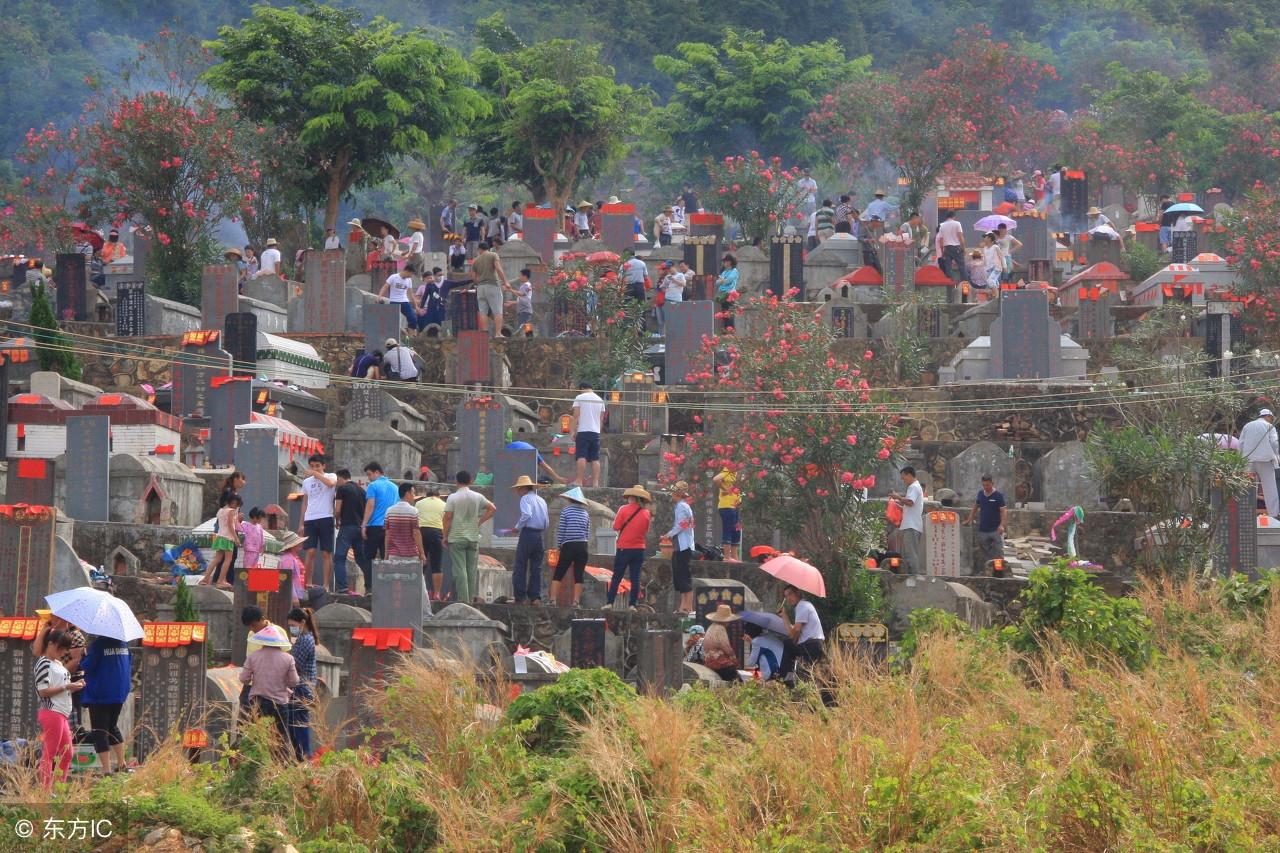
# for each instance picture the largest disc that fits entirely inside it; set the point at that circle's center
(632, 524)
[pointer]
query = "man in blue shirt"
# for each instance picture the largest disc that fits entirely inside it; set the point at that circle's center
(380, 495)
(879, 208)
(681, 536)
(526, 575)
(991, 512)
(542, 463)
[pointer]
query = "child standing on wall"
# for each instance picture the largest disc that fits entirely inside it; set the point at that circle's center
(225, 542)
(254, 537)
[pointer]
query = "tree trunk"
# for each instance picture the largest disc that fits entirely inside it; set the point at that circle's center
(338, 181)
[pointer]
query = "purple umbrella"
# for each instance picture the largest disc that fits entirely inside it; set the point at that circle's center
(994, 221)
(768, 621)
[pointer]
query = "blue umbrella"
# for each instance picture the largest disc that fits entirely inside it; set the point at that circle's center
(768, 621)
(1184, 207)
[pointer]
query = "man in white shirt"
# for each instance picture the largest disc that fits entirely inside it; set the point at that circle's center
(397, 362)
(398, 289)
(950, 246)
(588, 417)
(662, 227)
(805, 628)
(1261, 449)
(331, 240)
(318, 492)
(809, 187)
(515, 219)
(269, 260)
(911, 531)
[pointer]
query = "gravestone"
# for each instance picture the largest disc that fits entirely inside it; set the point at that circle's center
(1185, 246)
(400, 595)
(69, 279)
(141, 253)
(324, 305)
(88, 495)
(270, 589)
(464, 311)
(200, 357)
(541, 224)
(18, 697)
(586, 643)
(1033, 233)
(473, 358)
(367, 401)
(786, 266)
(1100, 250)
(702, 254)
(638, 406)
(256, 453)
(131, 308)
(507, 469)
(942, 543)
(660, 664)
(1093, 316)
(172, 693)
(687, 324)
(481, 424)
(382, 320)
(241, 341)
(569, 319)
(1065, 478)
(230, 406)
(29, 481)
(1235, 539)
(710, 593)
(705, 225)
(1025, 339)
(1074, 204)
(617, 226)
(26, 557)
(375, 652)
(897, 265)
(965, 470)
(379, 272)
(967, 217)
(847, 321)
(219, 294)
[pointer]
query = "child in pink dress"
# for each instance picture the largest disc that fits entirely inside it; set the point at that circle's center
(290, 562)
(253, 537)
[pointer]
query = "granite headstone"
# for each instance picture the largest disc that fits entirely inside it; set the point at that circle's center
(687, 324)
(69, 278)
(26, 557)
(131, 308)
(481, 424)
(382, 321)
(786, 265)
(173, 685)
(473, 358)
(617, 226)
(507, 469)
(230, 406)
(200, 357)
(269, 589)
(324, 306)
(586, 646)
(29, 481)
(1025, 339)
(400, 595)
(88, 458)
(241, 341)
(219, 294)
(256, 452)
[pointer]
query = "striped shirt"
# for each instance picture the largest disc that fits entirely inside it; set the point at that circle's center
(401, 524)
(51, 673)
(574, 526)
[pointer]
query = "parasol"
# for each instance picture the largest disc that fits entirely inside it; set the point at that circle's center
(768, 621)
(371, 224)
(84, 232)
(798, 573)
(96, 612)
(994, 221)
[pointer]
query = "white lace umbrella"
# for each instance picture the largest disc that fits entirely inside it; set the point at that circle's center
(96, 612)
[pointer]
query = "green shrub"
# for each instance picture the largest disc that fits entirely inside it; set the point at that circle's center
(1141, 262)
(545, 717)
(191, 811)
(1243, 596)
(925, 622)
(1063, 601)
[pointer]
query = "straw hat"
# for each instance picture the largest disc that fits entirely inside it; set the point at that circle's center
(679, 487)
(1094, 211)
(723, 613)
(273, 637)
(638, 492)
(417, 224)
(271, 241)
(880, 193)
(291, 541)
(356, 223)
(613, 199)
(585, 203)
(575, 494)
(232, 252)
(524, 482)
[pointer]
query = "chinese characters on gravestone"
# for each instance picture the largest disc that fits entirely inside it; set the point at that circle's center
(1235, 540)
(701, 254)
(200, 357)
(270, 589)
(541, 224)
(786, 265)
(18, 700)
(507, 469)
(26, 557)
(29, 481)
(481, 424)
(324, 302)
(660, 661)
(241, 341)
(464, 311)
(131, 309)
(399, 595)
(617, 226)
(87, 477)
(366, 402)
(381, 322)
(942, 543)
(586, 643)
(230, 406)
(1025, 339)
(1094, 314)
(379, 272)
(219, 294)
(69, 279)
(256, 451)
(473, 358)
(687, 324)
(172, 695)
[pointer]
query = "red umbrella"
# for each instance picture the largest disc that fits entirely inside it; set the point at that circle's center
(603, 258)
(798, 573)
(1004, 207)
(84, 232)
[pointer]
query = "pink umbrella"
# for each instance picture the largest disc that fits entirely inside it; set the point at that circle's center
(798, 573)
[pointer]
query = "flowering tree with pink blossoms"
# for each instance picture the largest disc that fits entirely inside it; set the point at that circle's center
(754, 191)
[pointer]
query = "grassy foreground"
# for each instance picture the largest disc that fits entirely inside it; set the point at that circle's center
(969, 745)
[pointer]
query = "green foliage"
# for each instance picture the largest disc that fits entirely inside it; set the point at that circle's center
(184, 604)
(354, 96)
(191, 811)
(1242, 595)
(927, 622)
(748, 93)
(53, 349)
(544, 719)
(1063, 602)
(592, 290)
(1140, 261)
(859, 598)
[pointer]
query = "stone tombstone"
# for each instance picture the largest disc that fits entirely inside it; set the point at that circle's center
(897, 265)
(255, 452)
(367, 401)
(382, 320)
(379, 272)
(464, 311)
(569, 319)
(335, 622)
(702, 254)
(1074, 204)
(241, 341)
(942, 543)
(786, 265)
(541, 224)
(131, 308)
(230, 406)
(172, 692)
(270, 589)
(1065, 478)
(965, 471)
(848, 321)
(705, 225)
(473, 358)
(687, 324)
(1185, 246)
(26, 557)
(29, 481)
(18, 699)
(324, 295)
(88, 494)
(1093, 316)
(200, 357)
(1098, 250)
(374, 654)
(710, 593)
(637, 407)
(617, 227)
(967, 219)
(219, 294)
(141, 253)
(1033, 233)
(481, 424)
(1025, 339)
(660, 664)
(1235, 538)
(400, 595)
(586, 649)
(507, 468)
(69, 278)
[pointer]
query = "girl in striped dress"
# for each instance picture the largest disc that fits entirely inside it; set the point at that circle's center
(55, 688)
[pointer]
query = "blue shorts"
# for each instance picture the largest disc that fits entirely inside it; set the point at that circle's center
(730, 527)
(587, 446)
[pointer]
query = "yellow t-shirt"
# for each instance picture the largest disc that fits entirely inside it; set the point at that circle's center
(729, 499)
(431, 513)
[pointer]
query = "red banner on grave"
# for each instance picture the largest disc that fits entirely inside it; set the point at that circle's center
(400, 639)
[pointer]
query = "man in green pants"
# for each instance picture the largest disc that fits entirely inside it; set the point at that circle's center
(464, 512)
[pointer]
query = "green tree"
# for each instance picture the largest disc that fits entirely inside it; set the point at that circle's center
(53, 349)
(749, 93)
(557, 115)
(355, 96)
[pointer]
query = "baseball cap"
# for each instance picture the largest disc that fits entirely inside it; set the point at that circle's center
(1265, 413)
(391, 342)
